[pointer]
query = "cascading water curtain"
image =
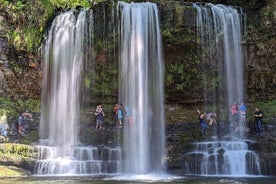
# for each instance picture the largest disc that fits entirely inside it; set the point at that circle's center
(220, 32)
(141, 88)
(219, 29)
(59, 126)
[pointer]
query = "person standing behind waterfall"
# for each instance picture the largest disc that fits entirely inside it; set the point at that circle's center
(202, 122)
(99, 117)
(129, 117)
(242, 110)
(115, 113)
(120, 115)
(235, 113)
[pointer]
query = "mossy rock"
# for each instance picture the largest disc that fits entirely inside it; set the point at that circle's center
(16, 153)
(11, 171)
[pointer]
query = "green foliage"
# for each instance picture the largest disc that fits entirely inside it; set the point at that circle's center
(87, 82)
(211, 79)
(4, 2)
(32, 137)
(12, 152)
(9, 172)
(181, 75)
(268, 109)
(48, 7)
(25, 22)
(103, 79)
(15, 36)
(12, 108)
(17, 68)
(19, 5)
(31, 37)
(176, 76)
(268, 14)
(251, 27)
(71, 3)
(166, 33)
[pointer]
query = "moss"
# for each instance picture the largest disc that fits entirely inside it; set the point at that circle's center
(10, 171)
(13, 155)
(26, 22)
(70, 3)
(33, 136)
(17, 154)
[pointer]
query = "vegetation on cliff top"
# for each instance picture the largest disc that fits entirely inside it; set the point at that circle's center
(25, 22)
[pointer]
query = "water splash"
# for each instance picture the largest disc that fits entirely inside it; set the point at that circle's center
(141, 87)
(78, 161)
(222, 158)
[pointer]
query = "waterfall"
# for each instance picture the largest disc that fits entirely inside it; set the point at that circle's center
(61, 85)
(65, 54)
(220, 32)
(141, 88)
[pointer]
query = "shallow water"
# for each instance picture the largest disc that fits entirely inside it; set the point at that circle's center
(139, 180)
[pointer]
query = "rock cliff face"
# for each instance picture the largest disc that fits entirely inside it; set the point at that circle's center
(21, 70)
(20, 33)
(261, 49)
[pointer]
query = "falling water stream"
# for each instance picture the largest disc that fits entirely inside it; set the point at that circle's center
(140, 94)
(141, 91)
(59, 152)
(141, 88)
(220, 32)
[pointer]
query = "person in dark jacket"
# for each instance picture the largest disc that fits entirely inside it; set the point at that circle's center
(258, 120)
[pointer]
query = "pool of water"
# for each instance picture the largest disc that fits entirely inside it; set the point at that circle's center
(140, 179)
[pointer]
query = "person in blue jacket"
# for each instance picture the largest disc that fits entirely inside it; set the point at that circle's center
(120, 115)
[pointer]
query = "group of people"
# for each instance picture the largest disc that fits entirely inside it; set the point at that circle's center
(117, 112)
(238, 113)
(20, 127)
(238, 117)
